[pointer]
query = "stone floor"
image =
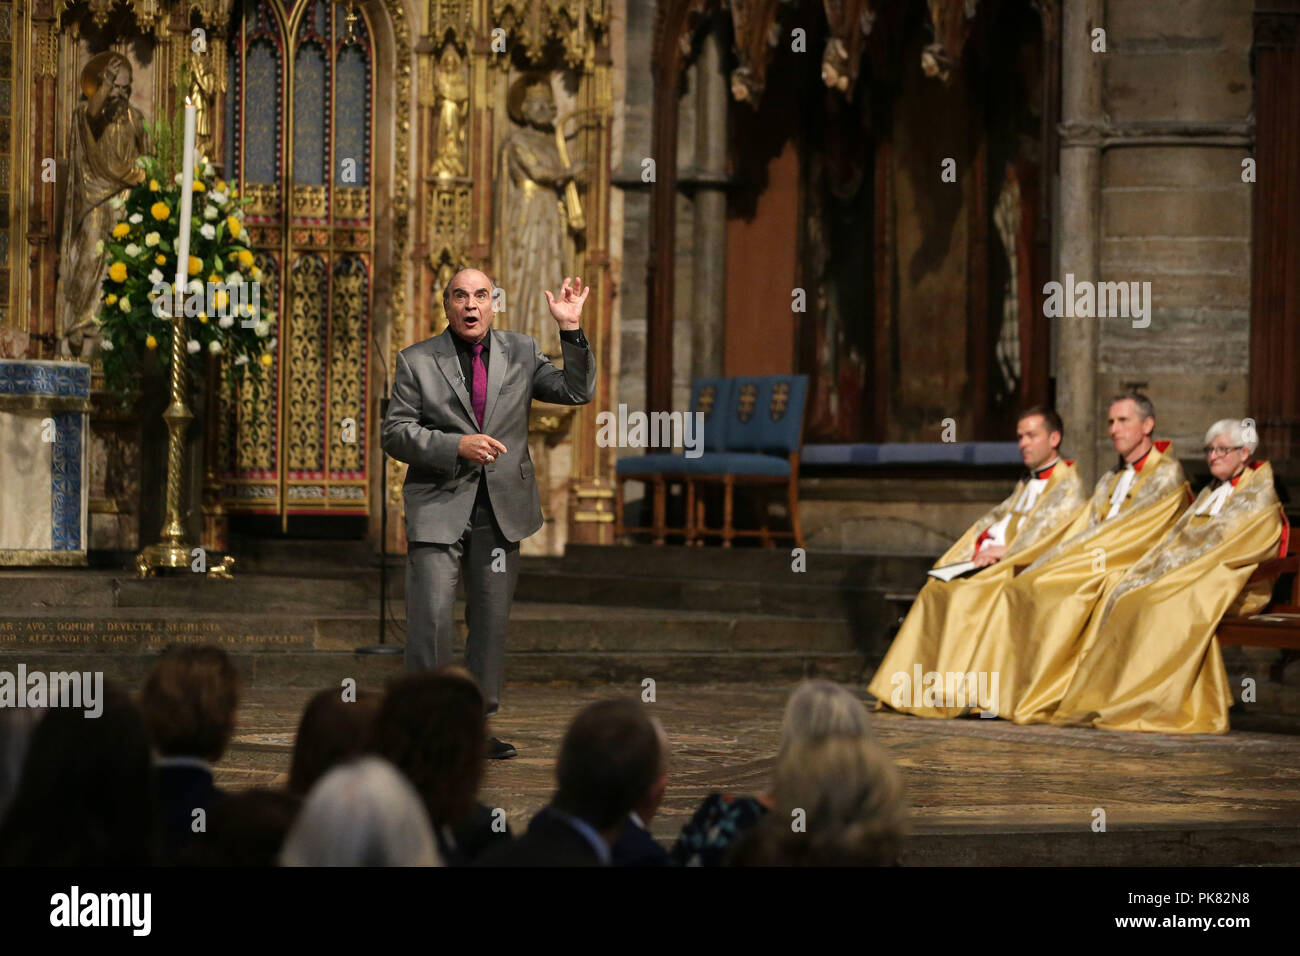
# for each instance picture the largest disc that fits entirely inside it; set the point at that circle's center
(968, 776)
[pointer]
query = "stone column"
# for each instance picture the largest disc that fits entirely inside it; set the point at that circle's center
(1079, 224)
(708, 318)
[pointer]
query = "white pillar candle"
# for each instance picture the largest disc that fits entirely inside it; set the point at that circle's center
(187, 193)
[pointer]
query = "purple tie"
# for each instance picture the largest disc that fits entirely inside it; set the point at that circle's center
(478, 391)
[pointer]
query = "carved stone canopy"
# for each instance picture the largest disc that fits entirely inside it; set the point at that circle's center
(150, 15)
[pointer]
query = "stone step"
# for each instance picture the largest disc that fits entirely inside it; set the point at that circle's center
(305, 557)
(822, 601)
(534, 628)
(359, 591)
(323, 668)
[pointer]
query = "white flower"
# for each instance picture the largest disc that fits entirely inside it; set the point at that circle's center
(209, 170)
(270, 346)
(142, 162)
(152, 239)
(241, 359)
(117, 202)
(226, 321)
(208, 231)
(132, 249)
(136, 219)
(179, 178)
(124, 304)
(156, 276)
(193, 346)
(106, 345)
(214, 347)
(194, 286)
(234, 278)
(219, 198)
(210, 212)
(262, 329)
(99, 247)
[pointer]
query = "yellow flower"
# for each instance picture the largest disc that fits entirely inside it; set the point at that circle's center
(267, 359)
(150, 342)
(117, 272)
(195, 265)
(213, 277)
(120, 230)
(219, 299)
(245, 257)
(198, 186)
(220, 185)
(233, 227)
(160, 259)
(257, 273)
(203, 318)
(110, 299)
(160, 210)
(153, 186)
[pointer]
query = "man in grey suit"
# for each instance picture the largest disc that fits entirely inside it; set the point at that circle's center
(459, 417)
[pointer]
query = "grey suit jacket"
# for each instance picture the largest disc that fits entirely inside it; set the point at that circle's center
(430, 410)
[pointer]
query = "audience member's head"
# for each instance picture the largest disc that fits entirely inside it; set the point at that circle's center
(432, 727)
(609, 759)
(332, 731)
(839, 802)
(86, 794)
(648, 805)
(362, 813)
(189, 702)
(247, 828)
(16, 726)
(822, 708)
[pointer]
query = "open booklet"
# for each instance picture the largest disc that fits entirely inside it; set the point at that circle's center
(948, 572)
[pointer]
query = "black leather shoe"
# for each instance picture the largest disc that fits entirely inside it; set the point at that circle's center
(496, 750)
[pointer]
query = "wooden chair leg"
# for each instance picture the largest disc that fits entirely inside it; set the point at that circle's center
(690, 512)
(660, 504)
(792, 505)
(620, 529)
(763, 518)
(728, 489)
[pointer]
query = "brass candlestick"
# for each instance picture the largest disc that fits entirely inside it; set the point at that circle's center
(172, 551)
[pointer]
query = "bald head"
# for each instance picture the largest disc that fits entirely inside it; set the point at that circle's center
(467, 300)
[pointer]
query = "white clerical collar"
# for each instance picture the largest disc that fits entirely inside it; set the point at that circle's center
(1214, 500)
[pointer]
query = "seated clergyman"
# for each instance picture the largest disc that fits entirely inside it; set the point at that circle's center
(1154, 663)
(1035, 633)
(936, 641)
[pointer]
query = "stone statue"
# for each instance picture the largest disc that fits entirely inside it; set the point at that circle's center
(452, 88)
(107, 138)
(533, 221)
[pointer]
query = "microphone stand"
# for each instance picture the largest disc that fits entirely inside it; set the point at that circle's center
(382, 647)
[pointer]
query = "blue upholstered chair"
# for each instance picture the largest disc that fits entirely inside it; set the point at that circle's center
(753, 428)
(711, 397)
(764, 432)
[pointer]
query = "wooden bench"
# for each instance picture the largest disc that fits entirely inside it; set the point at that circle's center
(1278, 625)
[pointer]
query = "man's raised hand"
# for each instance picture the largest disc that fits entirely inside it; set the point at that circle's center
(480, 449)
(566, 309)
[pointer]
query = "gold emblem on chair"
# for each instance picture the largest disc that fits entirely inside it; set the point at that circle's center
(748, 399)
(780, 400)
(708, 395)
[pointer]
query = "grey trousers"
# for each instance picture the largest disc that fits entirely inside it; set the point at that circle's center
(432, 573)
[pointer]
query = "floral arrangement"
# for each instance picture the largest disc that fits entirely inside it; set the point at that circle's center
(136, 303)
